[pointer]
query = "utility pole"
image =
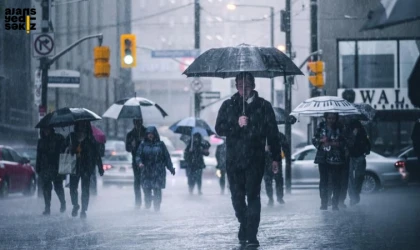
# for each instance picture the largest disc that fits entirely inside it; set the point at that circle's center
(288, 100)
(314, 47)
(197, 99)
(44, 60)
(272, 45)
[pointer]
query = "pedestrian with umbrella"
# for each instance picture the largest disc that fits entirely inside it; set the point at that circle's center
(247, 121)
(134, 108)
(193, 155)
(82, 143)
(50, 145)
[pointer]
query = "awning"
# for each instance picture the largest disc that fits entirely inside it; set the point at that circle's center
(392, 12)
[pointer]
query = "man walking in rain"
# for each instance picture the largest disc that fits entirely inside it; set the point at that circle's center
(247, 121)
(132, 143)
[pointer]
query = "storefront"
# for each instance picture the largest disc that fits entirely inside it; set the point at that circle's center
(377, 71)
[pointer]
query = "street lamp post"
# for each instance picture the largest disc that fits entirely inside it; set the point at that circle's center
(234, 6)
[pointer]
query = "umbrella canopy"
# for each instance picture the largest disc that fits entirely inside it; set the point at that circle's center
(281, 115)
(189, 125)
(229, 61)
(67, 116)
(317, 106)
(414, 85)
(392, 12)
(98, 134)
(135, 107)
(367, 111)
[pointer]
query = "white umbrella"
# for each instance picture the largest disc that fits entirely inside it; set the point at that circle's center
(317, 106)
(135, 107)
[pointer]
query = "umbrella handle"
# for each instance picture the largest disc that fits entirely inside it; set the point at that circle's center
(243, 95)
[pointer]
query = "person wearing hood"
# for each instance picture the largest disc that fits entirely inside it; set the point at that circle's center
(221, 165)
(82, 144)
(247, 121)
(50, 145)
(152, 157)
(193, 155)
(132, 143)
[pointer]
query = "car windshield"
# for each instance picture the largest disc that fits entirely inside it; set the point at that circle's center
(114, 158)
(27, 153)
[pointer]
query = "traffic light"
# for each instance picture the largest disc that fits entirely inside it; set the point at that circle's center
(316, 73)
(128, 50)
(102, 68)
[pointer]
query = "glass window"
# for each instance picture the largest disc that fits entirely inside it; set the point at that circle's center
(5, 155)
(347, 57)
(377, 64)
(383, 138)
(307, 155)
(16, 157)
(409, 52)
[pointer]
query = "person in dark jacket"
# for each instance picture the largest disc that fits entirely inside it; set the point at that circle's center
(50, 145)
(269, 176)
(358, 146)
(193, 155)
(330, 142)
(221, 165)
(84, 146)
(132, 143)
(151, 158)
(246, 135)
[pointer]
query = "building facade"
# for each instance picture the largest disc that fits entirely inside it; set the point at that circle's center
(16, 123)
(73, 21)
(374, 64)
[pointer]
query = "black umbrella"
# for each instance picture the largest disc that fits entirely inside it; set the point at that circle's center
(414, 85)
(67, 116)
(229, 61)
(392, 12)
(282, 117)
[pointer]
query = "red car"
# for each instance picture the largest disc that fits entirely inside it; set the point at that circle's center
(16, 174)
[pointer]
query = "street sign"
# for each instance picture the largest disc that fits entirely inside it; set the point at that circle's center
(63, 78)
(175, 53)
(37, 87)
(210, 95)
(43, 44)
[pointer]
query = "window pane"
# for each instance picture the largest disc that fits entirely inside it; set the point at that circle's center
(346, 59)
(5, 155)
(383, 138)
(409, 52)
(377, 64)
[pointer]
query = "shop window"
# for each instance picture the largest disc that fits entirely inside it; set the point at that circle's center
(409, 52)
(347, 64)
(377, 64)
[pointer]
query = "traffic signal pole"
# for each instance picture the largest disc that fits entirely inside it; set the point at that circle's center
(288, 100)
(314, 47)
(197, 97)
(44, 60)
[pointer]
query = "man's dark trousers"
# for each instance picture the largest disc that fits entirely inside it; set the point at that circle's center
(58, 188)
(247, 182)
(74, 184)
(137, 184)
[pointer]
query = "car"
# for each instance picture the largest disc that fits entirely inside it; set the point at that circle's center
(114, 147)
(118, 169)
(28, 152)
(380, 171)
(408, 160)
(16, 173)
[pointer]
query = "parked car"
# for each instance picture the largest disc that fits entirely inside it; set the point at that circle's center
(380, 170)
(409, 162)
(118, 169)
(16, 173)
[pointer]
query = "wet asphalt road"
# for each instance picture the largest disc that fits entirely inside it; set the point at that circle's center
(389, 219)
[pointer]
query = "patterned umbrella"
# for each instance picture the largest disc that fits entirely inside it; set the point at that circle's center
(317, 106)
(366, 110)
(135, 107)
